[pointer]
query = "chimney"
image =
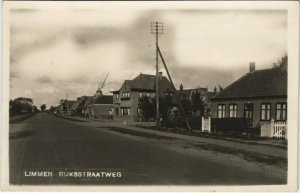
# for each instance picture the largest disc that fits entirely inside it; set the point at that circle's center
(181, 87)
(252, 67)
(160, 75)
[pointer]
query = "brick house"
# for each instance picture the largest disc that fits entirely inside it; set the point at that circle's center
(101, 106)
(126, 99)
(259, 96)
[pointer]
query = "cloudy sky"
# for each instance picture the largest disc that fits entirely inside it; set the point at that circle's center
(60, 52)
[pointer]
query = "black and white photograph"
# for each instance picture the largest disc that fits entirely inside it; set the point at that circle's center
(150, 95)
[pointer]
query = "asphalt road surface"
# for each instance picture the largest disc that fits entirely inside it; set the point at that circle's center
(54, 148)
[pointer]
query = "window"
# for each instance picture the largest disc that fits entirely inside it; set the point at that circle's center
(125, 111)
(148, 94)
(248, 113)
(141, 95)
(281, 111)
(117, 111)
(117, 96)
(221, 111)
(125, 95)
(233, 110)
(265, 111)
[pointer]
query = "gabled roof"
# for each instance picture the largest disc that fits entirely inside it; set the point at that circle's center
(258, 84)
(104, 99)
(186, 92)
(75, 105)
(147, 82)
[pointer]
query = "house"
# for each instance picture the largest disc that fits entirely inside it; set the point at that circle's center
(69, 104)
(204, 95)
(65, 107)
(77, 107)
(100, 106)
(126, 99)
(259, 97)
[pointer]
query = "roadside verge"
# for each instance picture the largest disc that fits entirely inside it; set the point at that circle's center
(20, 118)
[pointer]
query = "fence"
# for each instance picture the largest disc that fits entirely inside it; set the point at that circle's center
(277, 129)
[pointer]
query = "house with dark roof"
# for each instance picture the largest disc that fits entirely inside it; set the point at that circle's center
(126, 99)
(259, 96)
(100, 105)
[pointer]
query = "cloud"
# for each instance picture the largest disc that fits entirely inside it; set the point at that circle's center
(68, 51)
(90, 36)
(43, 79)
(201, 76)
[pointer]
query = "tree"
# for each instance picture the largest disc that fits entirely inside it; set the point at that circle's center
(51, 109)
(197, 104)
(147, 107)
(43, 107)
(20, 105)
(165, 106)
(187, 106)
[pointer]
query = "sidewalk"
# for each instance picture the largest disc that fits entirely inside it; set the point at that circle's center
(262, 147)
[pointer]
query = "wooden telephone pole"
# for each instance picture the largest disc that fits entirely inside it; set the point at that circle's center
(157, 29)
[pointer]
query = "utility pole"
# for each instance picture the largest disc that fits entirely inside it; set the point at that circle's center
(157, 29)
(178, 98)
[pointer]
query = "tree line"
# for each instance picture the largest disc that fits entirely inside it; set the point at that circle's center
(23, 105)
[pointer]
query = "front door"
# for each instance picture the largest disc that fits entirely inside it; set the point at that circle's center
(248, 113)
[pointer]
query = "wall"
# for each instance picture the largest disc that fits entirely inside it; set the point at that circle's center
(132, 103)
(240, 107)
(102, 109)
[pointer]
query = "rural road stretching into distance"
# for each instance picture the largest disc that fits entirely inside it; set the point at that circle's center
(52, 145)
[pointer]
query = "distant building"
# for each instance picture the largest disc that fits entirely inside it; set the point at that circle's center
(78, 107)
(86, 104)
(69, 104)
(259, 96)
(100, 106)
(204, 94)
(126, 99)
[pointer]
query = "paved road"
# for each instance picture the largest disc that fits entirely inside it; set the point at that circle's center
(51, 144)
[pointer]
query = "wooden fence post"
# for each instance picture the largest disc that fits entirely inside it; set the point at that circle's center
(272, 128)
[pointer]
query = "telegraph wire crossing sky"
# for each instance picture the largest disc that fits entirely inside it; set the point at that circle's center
(59, 52)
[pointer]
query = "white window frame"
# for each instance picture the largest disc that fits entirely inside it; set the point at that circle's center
(221, 110)
(265, 111)
(233, 110)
